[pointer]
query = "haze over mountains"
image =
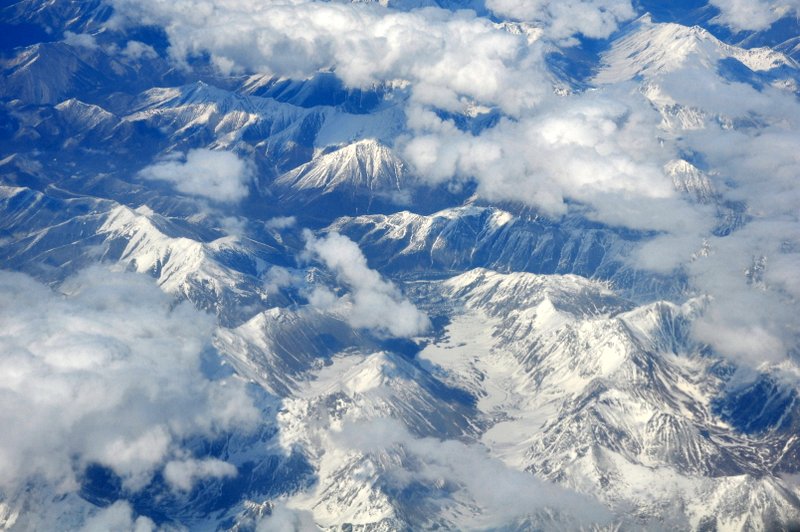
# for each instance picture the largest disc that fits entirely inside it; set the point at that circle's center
(399, 265)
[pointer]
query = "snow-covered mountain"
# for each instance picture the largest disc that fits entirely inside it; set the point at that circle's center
(648, 49)
(364, 168)
(586, 212)
(591, 392)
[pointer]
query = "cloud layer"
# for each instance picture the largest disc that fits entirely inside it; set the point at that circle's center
(564, 18)
(106, 371)
(591, 150)
(445, 56)
(742, 137)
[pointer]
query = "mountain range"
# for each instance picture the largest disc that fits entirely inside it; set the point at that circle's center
(399, 265)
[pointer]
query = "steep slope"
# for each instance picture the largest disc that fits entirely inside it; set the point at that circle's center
(554, 375)
(209, 116)
(604, 398)
(650, 49)
(364, 169)
(323, 89)
(666, 58)
(58, 15)
(220, 276)
(690, 181)
(48, 73)
(183, 266)
(279, 347)
(461, 238)
(281, 133)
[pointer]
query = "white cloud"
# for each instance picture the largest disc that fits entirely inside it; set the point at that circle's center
(233, 225)
(497, 494)
(323, 298)
(751, 276)
(702, 88)
(747, 144)
(280, 222)
(217, 175)
(600, 153)
(82, 40)
(182, 475)
(668, 252)
(106, 372)
(565, 18)
(277, 277)
(285, 519)
(753, 14)
(117, 518)
(445, 56)
(591, 150)
(752, 273)
(138, 50)
(373, 303)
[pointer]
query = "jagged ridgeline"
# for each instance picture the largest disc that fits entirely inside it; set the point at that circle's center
(399, 265)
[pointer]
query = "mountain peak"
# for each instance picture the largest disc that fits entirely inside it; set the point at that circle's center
(366, 166)
(689, 180)
(651, 49)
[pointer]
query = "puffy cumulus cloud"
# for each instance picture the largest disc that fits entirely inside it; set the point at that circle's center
(280, 222)
(107, 371)
(81, 40)
(498, 495)
(182, 475)
(753, 14)
(445, 56)
(373, 303)
(565, 18)
(138, 50)
(278, 277)
(285, 519)
(217, 175)
(133, 50)
(118, 518)
(750, 326)
(233, 225)
(592, 153)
